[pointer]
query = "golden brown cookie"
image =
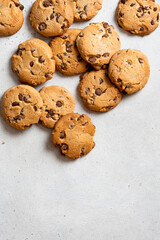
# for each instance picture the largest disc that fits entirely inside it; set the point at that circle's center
(11, 17)
(97, 92)
(97, 43)
(68, 60)
(85, 10)
(33, 62)
(129, 70)
(57, 101)
(21, 106)
(51, 17)
(138, 17)
(73, 134)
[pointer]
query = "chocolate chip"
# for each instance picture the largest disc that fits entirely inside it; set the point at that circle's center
(108, 108)
(18, 118)
(69, 49)
(64, 37)
(31, 63)
(119, 80)
(105, 25)
(121, 14)
(21, 7)
(139, 9)
(155, 9)
(62, 134)
(71, 126)
(100, 81)
(59, 104)
(47, 75)
(81, 116)
(16, 71)
(152, 22)
(105, 55)
(41, 59)
(140, 60)
(22, 111)
(51, 16)
(26, 99)
(20, 96)
(98, 92)
(42, 26)
(104, 66)
(47, 3)
(105, 36)
(19, 51)
(128, 86)
(64, 147)
(85, 7)
(63, 66)
(50, 113)
(115, 99)
(123, 1)
(79, 58)
(57, 17)
(84, 124)
(109, 30)
(63, 26)
(92, 59)
(141, 28)
(129, 62)
(59, 56)
(35, 108)
(81, 34)
(15, 104)
(82, 151)
(87, 90)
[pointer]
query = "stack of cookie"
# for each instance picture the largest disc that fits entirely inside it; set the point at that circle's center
(107, 72)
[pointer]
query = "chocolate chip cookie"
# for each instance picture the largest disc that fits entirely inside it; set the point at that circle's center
(33, 62)
(73, 134)
(68, 59)
(97, 43)
(97, 91)
(85, 10)
(57, 101)
(21, 106)
(51, 17)
(11, 17)
(129, 70)
(138, 17)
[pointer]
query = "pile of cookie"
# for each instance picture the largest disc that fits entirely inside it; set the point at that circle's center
(94, 52)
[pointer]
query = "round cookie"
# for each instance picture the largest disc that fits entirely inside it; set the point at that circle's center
(138, 17)
(57, 101)
(33, 62)
(86, 10)
(21, 106)
(11, 17)
(129, 70)
(97, 43)
(51, 17)
(97, 92)
(68, 60)
(73, 134)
